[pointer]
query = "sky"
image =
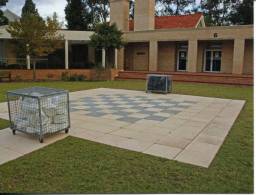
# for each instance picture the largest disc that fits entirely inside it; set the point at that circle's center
(45, 7)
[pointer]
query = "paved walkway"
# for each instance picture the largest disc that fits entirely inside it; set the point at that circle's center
(188, 129)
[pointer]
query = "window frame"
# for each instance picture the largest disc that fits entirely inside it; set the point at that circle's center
(211, 65)
(178, 60)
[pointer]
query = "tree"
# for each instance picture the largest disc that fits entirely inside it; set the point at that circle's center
(29, 8)
(77, 15)
(131, 9)
(100, 10)
(35, 37)
(217, 12)
(107, 37)
(3, 19)
(242, 12)
(3, 2)
(85, 14)
(175, 7)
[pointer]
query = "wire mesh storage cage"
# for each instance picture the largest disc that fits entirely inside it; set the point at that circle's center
(157, 83)
(39, 111)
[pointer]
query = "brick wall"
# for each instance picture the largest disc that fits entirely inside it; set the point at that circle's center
(49, 74)
(193, 77)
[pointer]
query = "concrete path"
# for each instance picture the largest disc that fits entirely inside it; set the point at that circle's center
(188, 129)
(15, 146)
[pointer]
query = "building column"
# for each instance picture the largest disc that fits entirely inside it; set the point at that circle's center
(120, 59)
(116, 58)
(153, 55)
(28, 62)
(103, 58)
(66, 55)
(192, 55)
(238, 56)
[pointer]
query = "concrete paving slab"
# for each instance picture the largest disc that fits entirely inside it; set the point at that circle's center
(189, 129)
(162, 151)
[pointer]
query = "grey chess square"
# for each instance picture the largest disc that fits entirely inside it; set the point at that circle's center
(121, 113)
(94, 109)
(161, 107)
(156, 118)
(113, 104)
(146, 112)
(73, 110)
(171, 111)
(117, 108)
(96, 114)
(129, 119)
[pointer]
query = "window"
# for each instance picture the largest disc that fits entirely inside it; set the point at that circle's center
(212, 61)
(182, 60)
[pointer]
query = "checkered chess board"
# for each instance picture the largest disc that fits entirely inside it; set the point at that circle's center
(129, 108)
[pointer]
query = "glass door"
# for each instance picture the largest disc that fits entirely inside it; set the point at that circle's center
(212, 61)
(182, 60)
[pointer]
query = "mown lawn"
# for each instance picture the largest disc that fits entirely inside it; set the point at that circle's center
(79, 166)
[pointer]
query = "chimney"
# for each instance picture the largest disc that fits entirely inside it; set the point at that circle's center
(144, 17)
(119, 14)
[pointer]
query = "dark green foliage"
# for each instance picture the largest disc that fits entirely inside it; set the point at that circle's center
(85, 14)
(29, 8)
(217, 12)
(3, 2)
(77, 77)
(65, 76)
(131, 12)
(100, 10)
(77, 16)
(107, 36)
(3, 19)
(242, 13)
(175, 7)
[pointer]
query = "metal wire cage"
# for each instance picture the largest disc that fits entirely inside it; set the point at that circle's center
(157, 83)
(39, 111)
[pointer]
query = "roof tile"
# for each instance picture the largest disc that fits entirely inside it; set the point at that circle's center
(169, 22)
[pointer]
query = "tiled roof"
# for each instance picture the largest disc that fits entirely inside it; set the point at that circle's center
(167, 22)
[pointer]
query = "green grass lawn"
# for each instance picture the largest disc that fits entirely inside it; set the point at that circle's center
(79, 166)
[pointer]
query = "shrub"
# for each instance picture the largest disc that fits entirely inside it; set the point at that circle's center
(81, 77)
(76, 77)
(65, 76)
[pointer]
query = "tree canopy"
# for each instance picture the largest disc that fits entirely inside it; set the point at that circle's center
(35, 36)
(3, 19)
(107, 36)
(3, 2)
(242, 13)
(175, 7)
(76, 15)
(29, 8)
(85, 14)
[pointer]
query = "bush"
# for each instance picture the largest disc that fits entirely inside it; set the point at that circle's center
(75, 77)
(81, 77)
(65, 76)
